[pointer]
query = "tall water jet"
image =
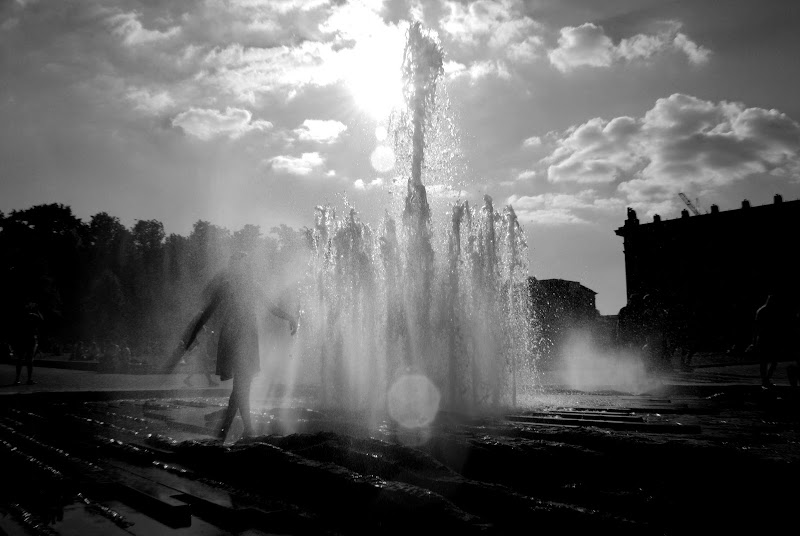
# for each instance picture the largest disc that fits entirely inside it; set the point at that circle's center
(428, 312)
(421, 69)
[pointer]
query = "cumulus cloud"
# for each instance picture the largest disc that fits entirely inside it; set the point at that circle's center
(361, 185)
(595, 152)
(499, 25)
(481, 69)
(150, 102)
(245, 73)
(302, 166)
(682, 143)
(585, 45)
(533, 141)
(128, 27)
(527, 50)
(560, 209)
(208, 123)
(453, 68)
(320, 130)
(588, 46)
(500, 22)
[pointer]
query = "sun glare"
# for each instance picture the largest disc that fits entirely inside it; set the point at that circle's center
(374, 74)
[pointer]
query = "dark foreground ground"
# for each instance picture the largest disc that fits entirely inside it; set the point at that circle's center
(710, 452)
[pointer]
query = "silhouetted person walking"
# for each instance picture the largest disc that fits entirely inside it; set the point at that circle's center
(772, 326)
(25, 340)
(237, 297)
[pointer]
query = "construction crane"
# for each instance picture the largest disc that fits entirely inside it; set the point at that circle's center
(689, 204)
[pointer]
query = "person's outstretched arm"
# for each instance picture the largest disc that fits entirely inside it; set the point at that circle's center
(280, 313)
(194, 327)
(277, 311)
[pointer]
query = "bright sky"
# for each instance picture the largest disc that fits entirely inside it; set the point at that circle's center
(255, 111)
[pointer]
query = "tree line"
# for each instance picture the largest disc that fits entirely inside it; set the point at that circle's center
(102, 281)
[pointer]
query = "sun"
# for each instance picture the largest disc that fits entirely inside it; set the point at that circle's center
(374, 77)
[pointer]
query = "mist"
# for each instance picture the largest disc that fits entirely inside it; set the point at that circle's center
(586, 365)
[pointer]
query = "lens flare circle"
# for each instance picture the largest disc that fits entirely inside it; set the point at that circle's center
(382, 159)
(413, 401)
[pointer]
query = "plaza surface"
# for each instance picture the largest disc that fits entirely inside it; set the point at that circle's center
(694, 451)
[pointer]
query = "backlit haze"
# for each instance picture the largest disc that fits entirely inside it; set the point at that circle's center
(255, 111)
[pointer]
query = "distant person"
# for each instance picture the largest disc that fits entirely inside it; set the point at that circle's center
(77, 350)
(113, 356)
(681, 331)
(239, 298)
(125, 354)
(25, 340)
(204, 357)
(772, 331)
(94, 351)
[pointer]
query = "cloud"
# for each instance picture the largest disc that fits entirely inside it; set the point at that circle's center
(588, 46)
(682, 144)
(281, 6)
(245, 73)
(361, 185)
(561, 209)
(453, 68)
(500, 26)
(525, 51)
(585, 45)
(151, 102)
(533, 141)
(481, 69)
(696, 53)
(320, 130)
(499, 22)
(597, 151)
(293, 165)
(208, 123)
(128, 27)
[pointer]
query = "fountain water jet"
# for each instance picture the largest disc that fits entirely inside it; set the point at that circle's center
(387, 309)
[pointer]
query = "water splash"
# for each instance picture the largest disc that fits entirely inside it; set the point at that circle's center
(438, 301)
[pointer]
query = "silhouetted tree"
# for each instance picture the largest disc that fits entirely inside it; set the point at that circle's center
(100, 280)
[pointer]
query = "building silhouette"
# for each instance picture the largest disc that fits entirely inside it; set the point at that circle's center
(560, 307)
(719, 267)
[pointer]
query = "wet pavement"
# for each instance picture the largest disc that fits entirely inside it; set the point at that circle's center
(700, 451)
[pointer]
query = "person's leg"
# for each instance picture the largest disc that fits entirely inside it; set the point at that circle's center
(243, 393)
(33, 347)
(29, 364)
(230, 413)
(19, 356)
